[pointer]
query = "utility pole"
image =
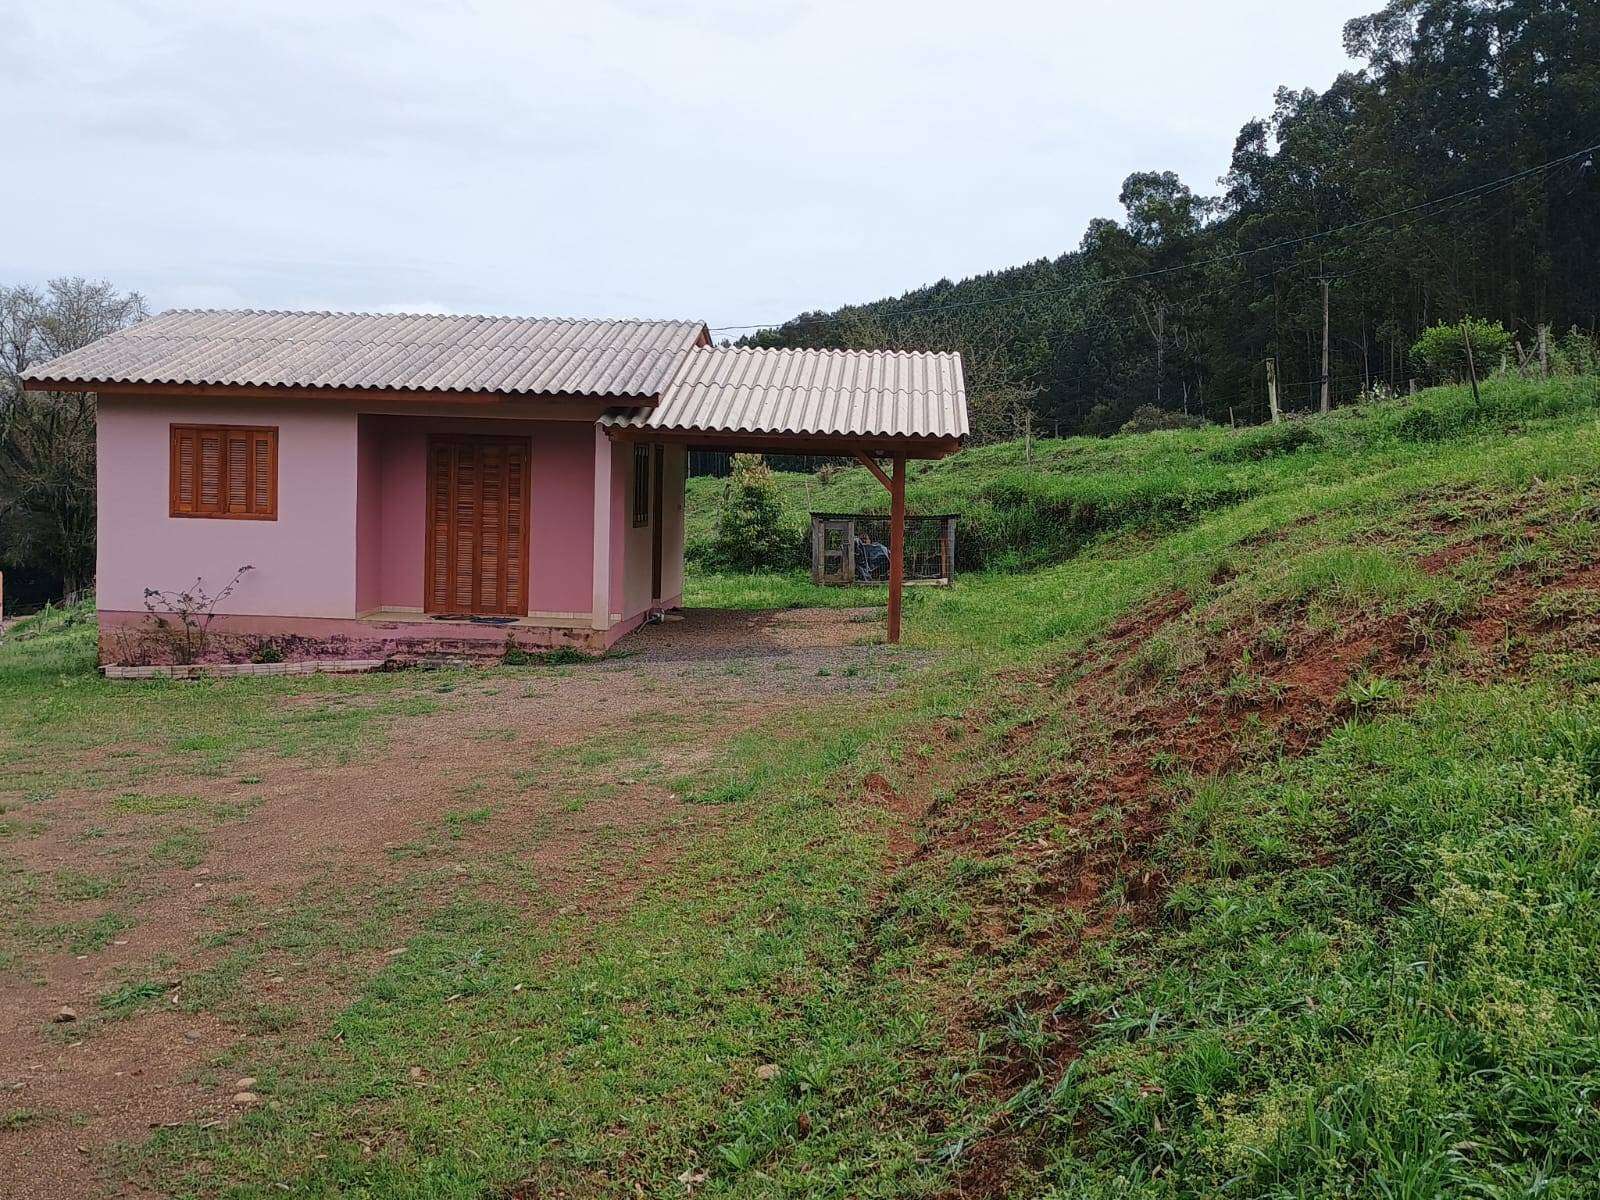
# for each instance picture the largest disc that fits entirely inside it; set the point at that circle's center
(1472, 369)
(1327, 401)
(1272, 389)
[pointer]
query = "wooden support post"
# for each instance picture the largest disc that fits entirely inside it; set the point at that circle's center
(897, 545)
(1272, 389)
(1472, 369)
(1327, 389)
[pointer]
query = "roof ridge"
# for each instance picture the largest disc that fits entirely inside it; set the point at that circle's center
(336, 312)
(829, 350)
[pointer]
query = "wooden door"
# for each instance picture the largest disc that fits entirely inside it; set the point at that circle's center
(477, 539)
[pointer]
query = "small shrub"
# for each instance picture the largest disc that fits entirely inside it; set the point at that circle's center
(1372, 692)
(1575, 354)
(750, 535)
(1442, 349)
(180, 621)
(1147, 418)
(267, 651)
(1269, 441)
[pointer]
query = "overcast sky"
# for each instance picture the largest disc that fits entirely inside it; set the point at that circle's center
(733, 162)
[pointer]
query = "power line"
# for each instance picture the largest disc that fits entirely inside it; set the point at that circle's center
(1466, 194)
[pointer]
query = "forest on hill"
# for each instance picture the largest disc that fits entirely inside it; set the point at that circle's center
(1454, 174)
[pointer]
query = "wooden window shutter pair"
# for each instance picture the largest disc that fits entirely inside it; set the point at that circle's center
(224, 471)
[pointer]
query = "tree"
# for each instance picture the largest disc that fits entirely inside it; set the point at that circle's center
(47, 515)
(1443, 177)
(750, 534)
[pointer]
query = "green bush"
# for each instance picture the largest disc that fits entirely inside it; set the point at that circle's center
(750, 531)
(1147, 418)
(1442, 349)
(1575, 354)
(1269, 441)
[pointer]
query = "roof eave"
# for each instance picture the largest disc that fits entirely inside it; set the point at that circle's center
(278, 391)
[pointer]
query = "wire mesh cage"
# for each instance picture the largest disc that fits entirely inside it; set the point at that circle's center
(851, 548)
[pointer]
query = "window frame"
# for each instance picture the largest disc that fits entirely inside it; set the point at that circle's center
(178, 429)
(643, 458)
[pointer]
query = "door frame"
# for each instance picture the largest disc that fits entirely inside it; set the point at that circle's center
(658, 468)
(428, 526)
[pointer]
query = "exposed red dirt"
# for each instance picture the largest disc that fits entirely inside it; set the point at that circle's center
(1204, 723)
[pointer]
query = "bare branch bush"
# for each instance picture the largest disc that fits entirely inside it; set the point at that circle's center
(181, 620)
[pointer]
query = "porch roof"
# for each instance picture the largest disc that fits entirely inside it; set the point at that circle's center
(841, 400)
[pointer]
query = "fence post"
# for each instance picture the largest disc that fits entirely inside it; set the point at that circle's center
(1472, 370)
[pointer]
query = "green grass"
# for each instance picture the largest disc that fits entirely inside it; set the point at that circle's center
(1375, 977)
(1025, 507)
(777, 589)
(1371, 971)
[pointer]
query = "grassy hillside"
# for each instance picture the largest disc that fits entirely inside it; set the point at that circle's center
(1237, 838)
(1023, 507)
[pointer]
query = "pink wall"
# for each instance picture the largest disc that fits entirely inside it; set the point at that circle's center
(631, 548)
(403, 466)
(561, 537)
(561, 479)
(369, 517)
(677, 458)
(352, 512)
(303, 561)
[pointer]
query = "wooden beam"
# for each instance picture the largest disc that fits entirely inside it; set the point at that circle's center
(738, 443)
(897, 545)
(866, 461)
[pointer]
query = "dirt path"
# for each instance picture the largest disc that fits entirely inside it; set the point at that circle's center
(575, 777)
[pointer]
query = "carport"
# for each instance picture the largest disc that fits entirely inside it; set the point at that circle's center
(879, 407)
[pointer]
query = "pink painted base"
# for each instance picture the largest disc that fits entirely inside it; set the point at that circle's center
(128, 639)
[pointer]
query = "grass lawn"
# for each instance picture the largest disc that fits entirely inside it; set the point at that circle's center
(1243, 848)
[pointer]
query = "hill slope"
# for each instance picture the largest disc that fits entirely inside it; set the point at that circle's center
(1239, 846)
(1270, 871)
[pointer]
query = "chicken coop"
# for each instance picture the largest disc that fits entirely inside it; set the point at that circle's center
(851, 548)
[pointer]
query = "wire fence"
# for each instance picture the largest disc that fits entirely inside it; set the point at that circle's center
(850, 548)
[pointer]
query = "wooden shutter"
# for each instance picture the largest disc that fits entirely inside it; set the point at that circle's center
(224, 471)
(516, 528)
(641, 485)
(477, 526)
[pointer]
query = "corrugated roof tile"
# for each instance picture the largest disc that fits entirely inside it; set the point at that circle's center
(721, 389)
(400, 352)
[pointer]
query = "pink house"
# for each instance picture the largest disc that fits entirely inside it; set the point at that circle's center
(434, 483)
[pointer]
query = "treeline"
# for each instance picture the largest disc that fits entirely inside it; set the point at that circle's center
(1447, 177)
(47, 450)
